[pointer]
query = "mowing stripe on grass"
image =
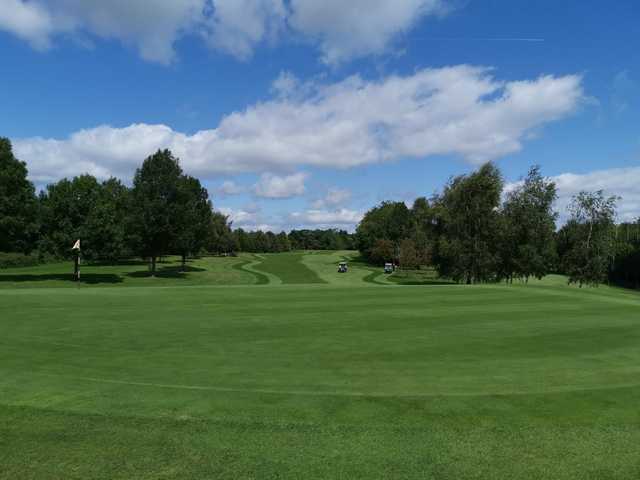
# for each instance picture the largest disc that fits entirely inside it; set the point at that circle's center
(247, 266)
(289, 268)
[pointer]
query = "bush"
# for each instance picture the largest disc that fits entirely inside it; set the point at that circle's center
(17, 260)
(10, 260)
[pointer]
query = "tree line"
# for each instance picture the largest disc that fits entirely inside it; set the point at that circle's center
(474, 232)
(164, 212)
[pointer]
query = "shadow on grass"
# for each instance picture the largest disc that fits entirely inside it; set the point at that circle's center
(88, 278)
(174, 271)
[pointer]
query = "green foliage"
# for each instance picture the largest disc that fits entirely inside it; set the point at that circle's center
(389, 221)
(626, 263)
(383, 251)
(590, 236)
(18, 204)
(527, 229)
(84, 209)
(468, 222)
(13, 260)
(154, 206)
(409, 258)
(193, 217)
(331, 239)
(220, 238)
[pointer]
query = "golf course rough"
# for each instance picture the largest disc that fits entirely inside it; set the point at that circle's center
(314, 374)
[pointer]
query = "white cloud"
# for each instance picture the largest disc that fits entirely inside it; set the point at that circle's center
(230, 187)
(343, 30)
(238, 26)
(152, 29)
(327, 218)
(28, 21)
(333, 198)
(356, 28)
(621, 182)
(250, 219)
(273, 186)
(461, 111)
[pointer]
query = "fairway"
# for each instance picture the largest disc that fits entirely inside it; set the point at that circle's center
(276, 366)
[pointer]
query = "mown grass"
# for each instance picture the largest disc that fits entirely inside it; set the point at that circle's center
(343, 379)
(199, 271)
(288, 267)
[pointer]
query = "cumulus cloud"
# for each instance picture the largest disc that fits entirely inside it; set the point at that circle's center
(621, 182)
(327, 218)
(240, 217)
(230, 187)
(153, 30)
(342, 30)
(274, 186)
(238, 26)
(462, 111)
(333, 198)
(345, 30)
(29, 21)
(250, 219)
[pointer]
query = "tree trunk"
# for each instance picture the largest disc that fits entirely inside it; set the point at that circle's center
(184, 261)
(153, 266)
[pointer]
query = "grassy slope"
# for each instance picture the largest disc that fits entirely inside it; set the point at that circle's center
(318, 380)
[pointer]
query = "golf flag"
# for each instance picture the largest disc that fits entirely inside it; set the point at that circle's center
(76, 246)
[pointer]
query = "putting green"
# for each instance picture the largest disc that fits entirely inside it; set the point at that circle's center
(323, 376)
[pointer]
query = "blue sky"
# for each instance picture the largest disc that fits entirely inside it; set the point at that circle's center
(306, 113)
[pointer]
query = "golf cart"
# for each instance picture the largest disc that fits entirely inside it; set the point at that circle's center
(342, 267)
(388, 267)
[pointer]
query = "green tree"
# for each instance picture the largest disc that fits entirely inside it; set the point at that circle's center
(105, 232)
(66, 209)
(391, 221)
(423, 234)
(383, 251)
(468, 222)
(591, 238)
(154, 204)
(193, 219)
(18, 204)
(409, 259)
(527, 228)
(220, 238)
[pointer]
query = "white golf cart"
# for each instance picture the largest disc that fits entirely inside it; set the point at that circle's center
(388, 267)
(342, 267)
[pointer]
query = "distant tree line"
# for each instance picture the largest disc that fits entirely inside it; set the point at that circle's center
(164, 212)
(474, 232)
(269, 242)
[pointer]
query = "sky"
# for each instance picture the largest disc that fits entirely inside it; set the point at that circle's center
(306, 113)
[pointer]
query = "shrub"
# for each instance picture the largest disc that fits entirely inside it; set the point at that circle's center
(10, 260)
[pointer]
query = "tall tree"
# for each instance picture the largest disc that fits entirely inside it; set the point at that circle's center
(528, 227)
(591, 238)
(18, 204)
(423, 230)
(153, 207)
(409, 259)
(468, 221)
(193, 219)
(66, 210)
(390, 221)
(105, 232)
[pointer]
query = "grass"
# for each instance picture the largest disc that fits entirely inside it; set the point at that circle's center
(341, 379)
